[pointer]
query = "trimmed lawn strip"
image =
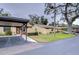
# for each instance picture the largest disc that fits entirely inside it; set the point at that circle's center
(50, 37)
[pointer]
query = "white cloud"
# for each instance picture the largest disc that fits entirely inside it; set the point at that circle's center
(76, 22)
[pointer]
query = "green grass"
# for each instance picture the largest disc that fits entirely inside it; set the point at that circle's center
(51, 37)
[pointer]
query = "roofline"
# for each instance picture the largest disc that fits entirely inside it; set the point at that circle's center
(8, 26)
(13, 19)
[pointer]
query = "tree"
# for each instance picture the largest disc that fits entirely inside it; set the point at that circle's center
(50, 8)
(43, 20)
(68, 12)
(35, 19)
(52, 24)
(1, 10)
(4, 13)
(7, 30)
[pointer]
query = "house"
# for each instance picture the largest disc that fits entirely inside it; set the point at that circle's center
(44, 29)
(13, 24)
(75, 28)
(6, 28)
(37, 28)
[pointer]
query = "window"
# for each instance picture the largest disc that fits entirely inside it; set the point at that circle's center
(7, 29)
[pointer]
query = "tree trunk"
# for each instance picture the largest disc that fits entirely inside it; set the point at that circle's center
(69, 29)
(54, 21)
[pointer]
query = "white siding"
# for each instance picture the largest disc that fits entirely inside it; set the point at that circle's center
(13, 30)
(1, 30)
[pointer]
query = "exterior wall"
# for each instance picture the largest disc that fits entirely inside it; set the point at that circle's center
(13, 30)
(42, 30)
(30, 30)
(75, 30)
(38, 29)
(18, 30)
(1, 30)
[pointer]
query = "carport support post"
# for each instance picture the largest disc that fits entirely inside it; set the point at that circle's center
(24, 31)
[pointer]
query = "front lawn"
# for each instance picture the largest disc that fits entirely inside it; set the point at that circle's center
(50, 37)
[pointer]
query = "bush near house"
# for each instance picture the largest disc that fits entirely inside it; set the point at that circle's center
(8, 32)
(33, 34)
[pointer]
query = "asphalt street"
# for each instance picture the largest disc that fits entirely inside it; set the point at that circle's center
(62, 47)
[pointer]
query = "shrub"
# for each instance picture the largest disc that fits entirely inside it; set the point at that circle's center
(65, 29)
(8, 32)
(34, 33)
(40, 33)
(50, 32)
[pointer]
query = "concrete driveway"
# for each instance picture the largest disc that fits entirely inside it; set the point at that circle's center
(62, 47)
(19, 48)
(10, 45)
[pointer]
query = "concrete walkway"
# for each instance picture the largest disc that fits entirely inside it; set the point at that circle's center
(31, 40)
(62, 47)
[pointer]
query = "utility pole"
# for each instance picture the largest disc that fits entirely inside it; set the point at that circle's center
(54, 20)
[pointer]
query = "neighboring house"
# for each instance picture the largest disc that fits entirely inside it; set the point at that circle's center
(37, 28)
(44, 29)
(75, 28)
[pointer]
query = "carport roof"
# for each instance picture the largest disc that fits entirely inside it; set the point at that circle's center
(13, 19)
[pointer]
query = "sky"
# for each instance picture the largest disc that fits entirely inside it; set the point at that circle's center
(22, 10)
